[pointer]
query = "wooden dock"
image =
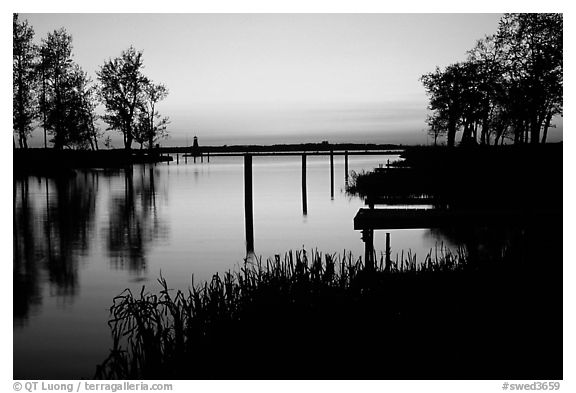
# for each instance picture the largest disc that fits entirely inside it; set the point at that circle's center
(434, 218)
(400, 200)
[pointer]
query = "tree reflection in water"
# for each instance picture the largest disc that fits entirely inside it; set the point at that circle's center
(50, 235)
(54, 227)
(134, 222)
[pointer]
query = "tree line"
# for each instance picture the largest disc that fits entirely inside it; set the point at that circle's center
(509, 88)
(52, 91)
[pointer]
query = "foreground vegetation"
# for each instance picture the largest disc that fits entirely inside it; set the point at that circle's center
(322, 316)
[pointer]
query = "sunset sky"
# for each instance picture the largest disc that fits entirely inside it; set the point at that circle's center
(282, 78)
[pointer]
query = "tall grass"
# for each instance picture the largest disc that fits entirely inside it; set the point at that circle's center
(154, 334)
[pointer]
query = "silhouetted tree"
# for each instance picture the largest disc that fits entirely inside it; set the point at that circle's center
(122, 91)
(42, 75)
(151, 126)
(511, 82)
(89, 104)
(492, 98)
(531, 46)
(436, 126)
(108, 142)
(472, 101)
(68, 99)
(445, 91)
(23, 78)
(500, 124)
(80, 123)
(462, 96)
(56, 63)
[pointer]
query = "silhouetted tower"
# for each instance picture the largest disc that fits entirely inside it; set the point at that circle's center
(195, 148)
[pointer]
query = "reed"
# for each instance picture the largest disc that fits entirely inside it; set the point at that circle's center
(154, 334)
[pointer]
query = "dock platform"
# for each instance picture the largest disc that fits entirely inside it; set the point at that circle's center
(434, 218)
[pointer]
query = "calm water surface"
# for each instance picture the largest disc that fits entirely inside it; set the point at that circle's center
(81, 240)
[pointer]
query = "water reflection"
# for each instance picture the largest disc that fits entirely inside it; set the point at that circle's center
(52, 237)
(482, 243)
(54, 226)
(87, 237)
(134, 221)
(25, 271)
(69, 224)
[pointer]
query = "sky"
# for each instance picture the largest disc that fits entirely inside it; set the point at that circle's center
(282, 78)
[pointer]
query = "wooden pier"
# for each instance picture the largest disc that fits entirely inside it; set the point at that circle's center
(369, 220)
(434, 218)
(400, 200)
(311, 153)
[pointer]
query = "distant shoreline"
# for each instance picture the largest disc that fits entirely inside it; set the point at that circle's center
(53, 162)
(49, 161)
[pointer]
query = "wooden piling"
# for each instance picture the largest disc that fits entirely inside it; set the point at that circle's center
(177, 158)
(346, 165)
(368, 238)
(304, 197)
(332, 174)
(248, 206)
(387, 251)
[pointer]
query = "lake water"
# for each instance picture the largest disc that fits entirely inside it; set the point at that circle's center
(81, 240)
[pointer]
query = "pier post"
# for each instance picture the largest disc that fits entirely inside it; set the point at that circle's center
(387, 268)
(346, 165)
(177, 158)
(194, 158)
(168, 156)
(368, 238)
(304, 198)
(185, 158)
(201, 158)
(332, 174)
(248, 207)
(208, 156)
